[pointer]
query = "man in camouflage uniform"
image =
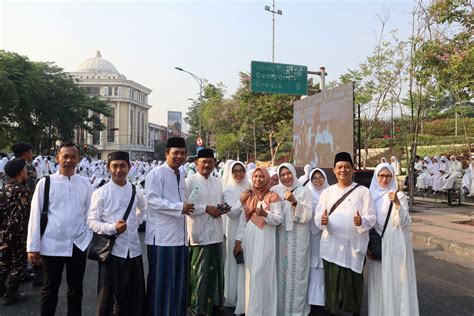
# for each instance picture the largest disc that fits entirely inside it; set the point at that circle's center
(13, 231)
(25, 152)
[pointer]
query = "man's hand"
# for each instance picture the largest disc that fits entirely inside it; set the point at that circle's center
(392, 196)
(120, 226)
(237, 247)
(213, 211)
(34, 258)
(357, 219)
(188, 208)
(325, 218)
(290, 197)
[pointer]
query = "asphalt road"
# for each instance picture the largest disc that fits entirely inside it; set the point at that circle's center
(443, 289)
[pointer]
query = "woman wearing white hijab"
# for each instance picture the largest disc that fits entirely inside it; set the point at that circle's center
(396, 165)
(304, 178)
(316, 185)
(293, 243)
(234, 274)
(427, 169)
(392, 280)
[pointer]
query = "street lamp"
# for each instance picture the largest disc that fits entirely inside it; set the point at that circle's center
(200, 81)
(273, 12)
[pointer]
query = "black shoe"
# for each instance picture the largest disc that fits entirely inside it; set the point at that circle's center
(2, 289)
(14, 298)
(27, 277)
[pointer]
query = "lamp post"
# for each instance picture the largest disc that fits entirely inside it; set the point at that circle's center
(273, 12)
(200, 81)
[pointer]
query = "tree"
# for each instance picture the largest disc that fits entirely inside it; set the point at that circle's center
(40, 103)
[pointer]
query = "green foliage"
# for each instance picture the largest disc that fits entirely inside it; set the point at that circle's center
(40, 103)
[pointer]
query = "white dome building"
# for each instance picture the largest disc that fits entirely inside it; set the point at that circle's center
(127, 127)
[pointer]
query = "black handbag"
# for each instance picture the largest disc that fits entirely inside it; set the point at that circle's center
(375, 240)
(101, 244)
(44, 211)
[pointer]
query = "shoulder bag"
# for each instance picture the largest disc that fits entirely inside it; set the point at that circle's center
(101, 244)
(342, 198)
(44, 211)
(375, 240)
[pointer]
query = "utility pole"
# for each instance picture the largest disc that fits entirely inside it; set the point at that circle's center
(273, 12)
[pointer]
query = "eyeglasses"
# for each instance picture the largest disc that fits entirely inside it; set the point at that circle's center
(385, 176)
(317, 179)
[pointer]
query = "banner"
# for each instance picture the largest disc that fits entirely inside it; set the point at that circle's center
(324, 126)
(174, 123)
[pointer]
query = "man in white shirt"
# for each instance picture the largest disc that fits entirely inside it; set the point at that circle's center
(121, 286)
(166, 236)
(345, 237)
(206, 234)
(66, 235)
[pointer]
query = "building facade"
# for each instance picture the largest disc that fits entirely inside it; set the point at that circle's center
(127, 128)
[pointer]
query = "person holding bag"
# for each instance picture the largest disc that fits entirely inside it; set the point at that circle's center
(391, 278)
(345, 214)
(117, 209)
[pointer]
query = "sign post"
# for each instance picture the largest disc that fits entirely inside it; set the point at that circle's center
(279, 78)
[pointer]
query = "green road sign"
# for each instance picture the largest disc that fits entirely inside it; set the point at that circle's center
(279, 78)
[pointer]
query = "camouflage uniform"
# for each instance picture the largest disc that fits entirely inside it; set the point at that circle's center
(31, 179)
(13, 232)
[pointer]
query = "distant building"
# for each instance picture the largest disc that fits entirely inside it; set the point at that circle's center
(157, 134)
(127, 128)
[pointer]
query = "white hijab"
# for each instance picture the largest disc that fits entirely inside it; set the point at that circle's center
(295, 179)
(226, 174)
(315, 192)
(379, 194)
(232, 184)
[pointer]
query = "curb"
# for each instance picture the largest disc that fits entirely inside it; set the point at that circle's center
(456, 248)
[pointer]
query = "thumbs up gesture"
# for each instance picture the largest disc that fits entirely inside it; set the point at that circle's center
(357, 219)
(324, 218)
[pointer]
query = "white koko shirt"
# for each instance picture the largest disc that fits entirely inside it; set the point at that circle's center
(342, 242)
(203, 228)
(108, 206)
(69, 200)
(165, 223)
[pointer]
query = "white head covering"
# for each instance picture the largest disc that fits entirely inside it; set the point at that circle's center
(226, 174)
(293, 172)
(379, 194)
(383, 160)
(315, 192)
(428, 161)
(232, 184)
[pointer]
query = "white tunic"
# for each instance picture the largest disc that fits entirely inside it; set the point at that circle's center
(234, 274)
(69, 201)
(392, 281)
(108, 206)
(342, 242)
(165, 222)
(203, 228)
(293, 252)
(259, 246)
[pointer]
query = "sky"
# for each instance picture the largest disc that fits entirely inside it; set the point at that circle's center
(215, 40)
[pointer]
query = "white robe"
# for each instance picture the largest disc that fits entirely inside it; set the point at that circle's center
(259, 246)
(234, 274)
(293, 253)
(392, 280)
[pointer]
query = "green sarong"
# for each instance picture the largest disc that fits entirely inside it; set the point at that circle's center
(207, 278)
(344, 288)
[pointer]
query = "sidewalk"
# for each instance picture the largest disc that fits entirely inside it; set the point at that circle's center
(434, 229)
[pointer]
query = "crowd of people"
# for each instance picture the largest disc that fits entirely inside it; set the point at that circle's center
(438, 174)
(256, 239)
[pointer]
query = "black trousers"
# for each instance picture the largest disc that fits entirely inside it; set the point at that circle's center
(121, 287)
(52, 272)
